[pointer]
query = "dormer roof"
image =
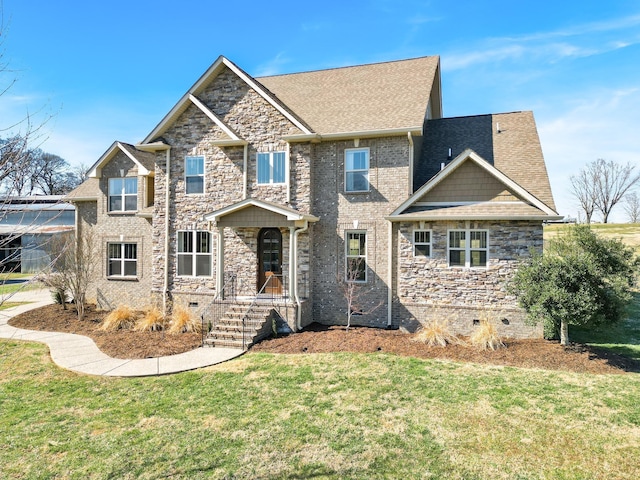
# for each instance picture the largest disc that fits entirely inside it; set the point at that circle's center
(145, 161)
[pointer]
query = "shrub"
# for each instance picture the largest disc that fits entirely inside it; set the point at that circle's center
(486, 336)
(153, 320)
(435, 333)
(122, 317)
(183, 321)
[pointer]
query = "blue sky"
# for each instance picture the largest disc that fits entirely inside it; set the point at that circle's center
(111, 70)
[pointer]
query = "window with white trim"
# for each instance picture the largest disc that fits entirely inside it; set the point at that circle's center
(271, 167)
(422, 243)
(194, 253)
(468, 248)
(356, 170)
(194, 174)
(123, 194)
(356, 256)
(122, 259)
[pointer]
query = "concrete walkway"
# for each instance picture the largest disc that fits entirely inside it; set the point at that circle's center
(80, 354)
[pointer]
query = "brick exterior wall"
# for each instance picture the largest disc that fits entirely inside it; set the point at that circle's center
(338, 210)
(118, 227)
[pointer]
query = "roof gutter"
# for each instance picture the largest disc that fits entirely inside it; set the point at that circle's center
(433, 218)
(388, 132)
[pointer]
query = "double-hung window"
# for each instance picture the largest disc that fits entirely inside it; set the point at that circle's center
(194, 174)
(271, 167)
(194, 254)
(468, 248)
(123, 259)
(356, 256)
(422, 243)
(123, 194)
(356, 170)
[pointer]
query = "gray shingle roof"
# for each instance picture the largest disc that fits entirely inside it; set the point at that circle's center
(514, 150)
(367, 97)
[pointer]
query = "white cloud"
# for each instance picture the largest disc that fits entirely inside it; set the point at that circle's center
(602, 124)
(272, 67)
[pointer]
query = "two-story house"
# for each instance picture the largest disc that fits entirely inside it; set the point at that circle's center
(287, 186)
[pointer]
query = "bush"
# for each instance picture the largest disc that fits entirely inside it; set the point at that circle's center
(183, 321)
(436, 333)
(486, 335)
(122, 317)
(153, 320)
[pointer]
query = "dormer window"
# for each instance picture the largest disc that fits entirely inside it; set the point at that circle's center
(123, 194)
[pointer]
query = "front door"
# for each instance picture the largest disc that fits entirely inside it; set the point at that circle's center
(270, 260)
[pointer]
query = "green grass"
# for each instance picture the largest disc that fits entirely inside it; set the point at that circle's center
(316, 416)
(7, 305)
(622, 338)
(9, 288)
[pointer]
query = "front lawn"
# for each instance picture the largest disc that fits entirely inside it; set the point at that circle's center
(339, 415)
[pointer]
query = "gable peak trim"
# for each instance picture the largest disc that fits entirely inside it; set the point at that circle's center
(96, 170)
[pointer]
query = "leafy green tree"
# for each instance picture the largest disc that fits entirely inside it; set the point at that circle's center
(581, 279)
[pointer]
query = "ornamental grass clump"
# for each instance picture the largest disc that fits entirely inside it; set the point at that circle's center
(486, 336)
(184, 321)
(121, 318)
(152, 321)
(436, 333)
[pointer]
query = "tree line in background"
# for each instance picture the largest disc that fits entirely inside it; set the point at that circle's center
(28, 171)
(601, 185)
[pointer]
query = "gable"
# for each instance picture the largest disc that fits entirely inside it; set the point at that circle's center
(222, 66)
(469, 183)
(489, 194)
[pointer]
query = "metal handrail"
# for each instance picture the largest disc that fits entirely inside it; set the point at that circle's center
(218, 301)
(259, 297)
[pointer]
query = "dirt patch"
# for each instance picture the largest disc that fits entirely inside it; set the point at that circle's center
(120, 344)
(321, 339)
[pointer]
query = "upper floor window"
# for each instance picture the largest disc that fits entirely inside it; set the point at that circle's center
(422, 243)
(123, 194)
(356, 170)
(468, 248)
(271, 167)
(194, 254)
(194, 174)
(123, 259)
(356, 256)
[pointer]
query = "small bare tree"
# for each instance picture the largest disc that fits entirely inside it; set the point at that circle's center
(354, 289)
(632, 207)
(73, 268)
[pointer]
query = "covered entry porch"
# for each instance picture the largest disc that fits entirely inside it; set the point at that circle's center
(262, 256)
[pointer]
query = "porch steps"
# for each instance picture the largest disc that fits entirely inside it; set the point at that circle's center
(227, 332)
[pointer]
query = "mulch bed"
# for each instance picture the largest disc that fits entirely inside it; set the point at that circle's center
(316, 338)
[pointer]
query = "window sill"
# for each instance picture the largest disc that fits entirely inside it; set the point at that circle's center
(120, 213)
(358, 192)
(122, 278)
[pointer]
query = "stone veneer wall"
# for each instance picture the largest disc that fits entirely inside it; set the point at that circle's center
(337, 210)
(118, 227)
(253, 119)
(427, 288)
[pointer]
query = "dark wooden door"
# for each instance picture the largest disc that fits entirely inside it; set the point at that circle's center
(270, 260)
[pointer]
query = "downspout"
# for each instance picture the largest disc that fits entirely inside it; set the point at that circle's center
(167, 200)
(245, 176)
(390, 277)
(411, 160)
(294, 281)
